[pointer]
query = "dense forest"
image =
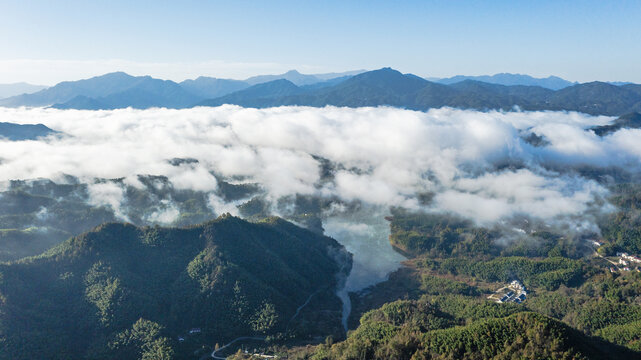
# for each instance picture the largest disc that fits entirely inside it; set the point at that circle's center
(579, 304)
(127, 292)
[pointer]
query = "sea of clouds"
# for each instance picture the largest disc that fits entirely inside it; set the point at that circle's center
(475, 164)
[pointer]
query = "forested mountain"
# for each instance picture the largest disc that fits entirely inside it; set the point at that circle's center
(13, 131)
(423, 329)
(38, 214)
(126, 292)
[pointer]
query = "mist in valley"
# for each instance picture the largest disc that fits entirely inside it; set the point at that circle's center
(337, 170)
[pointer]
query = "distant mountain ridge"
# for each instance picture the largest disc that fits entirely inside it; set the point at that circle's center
(388, 87)
(145, 92)
(209, 87)
(120, 90)
(550, 82)
(300, 79)
(383, 87)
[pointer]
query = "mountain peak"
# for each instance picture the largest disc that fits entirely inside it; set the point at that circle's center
(114, 75)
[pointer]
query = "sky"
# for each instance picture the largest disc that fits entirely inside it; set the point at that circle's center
(45, 42)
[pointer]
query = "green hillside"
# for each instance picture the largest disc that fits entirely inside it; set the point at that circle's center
(455, 297)
(121, 291)
(430, 328)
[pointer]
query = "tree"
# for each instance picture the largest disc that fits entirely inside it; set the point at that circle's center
(265, 318)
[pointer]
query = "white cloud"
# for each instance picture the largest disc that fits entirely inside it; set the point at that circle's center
(385, 156)
(108, 194)
(166, 214)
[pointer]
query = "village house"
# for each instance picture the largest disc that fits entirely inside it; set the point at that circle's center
(631, 258)
(623, 262)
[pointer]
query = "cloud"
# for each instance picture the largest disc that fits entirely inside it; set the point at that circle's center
(108, 194)
(495, 196)
(382, 156)
(362, 161)
(166, 214)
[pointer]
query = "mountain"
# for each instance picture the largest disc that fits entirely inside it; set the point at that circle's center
(259, 95)
(345, 74)
(550, 82)
(388, 87)
(300, 79)
(81, 102)
(95, 87)
(16, 132)
(383, 87)
(110, 91)
(373, 88)
(8, 90)
(325, 83)
(146, 92)
(628, 121)
(416, 330)
(292, 76)
(597, 98)
(635, 88)
(209, 88)
(122, 292)
(379, 87)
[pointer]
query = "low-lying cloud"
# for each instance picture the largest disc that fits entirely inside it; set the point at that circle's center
(383, 156)
(475, 164)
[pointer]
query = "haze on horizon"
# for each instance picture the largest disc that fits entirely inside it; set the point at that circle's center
(580, 41)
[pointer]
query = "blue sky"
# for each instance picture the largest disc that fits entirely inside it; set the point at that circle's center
(48, 41)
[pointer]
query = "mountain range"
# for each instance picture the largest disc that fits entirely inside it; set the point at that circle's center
(550, 82)
(383, 87)
(300, 79)
(388, 87)
(121, 90)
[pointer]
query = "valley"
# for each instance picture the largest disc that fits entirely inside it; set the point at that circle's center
(310, 249)
(320, 180)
